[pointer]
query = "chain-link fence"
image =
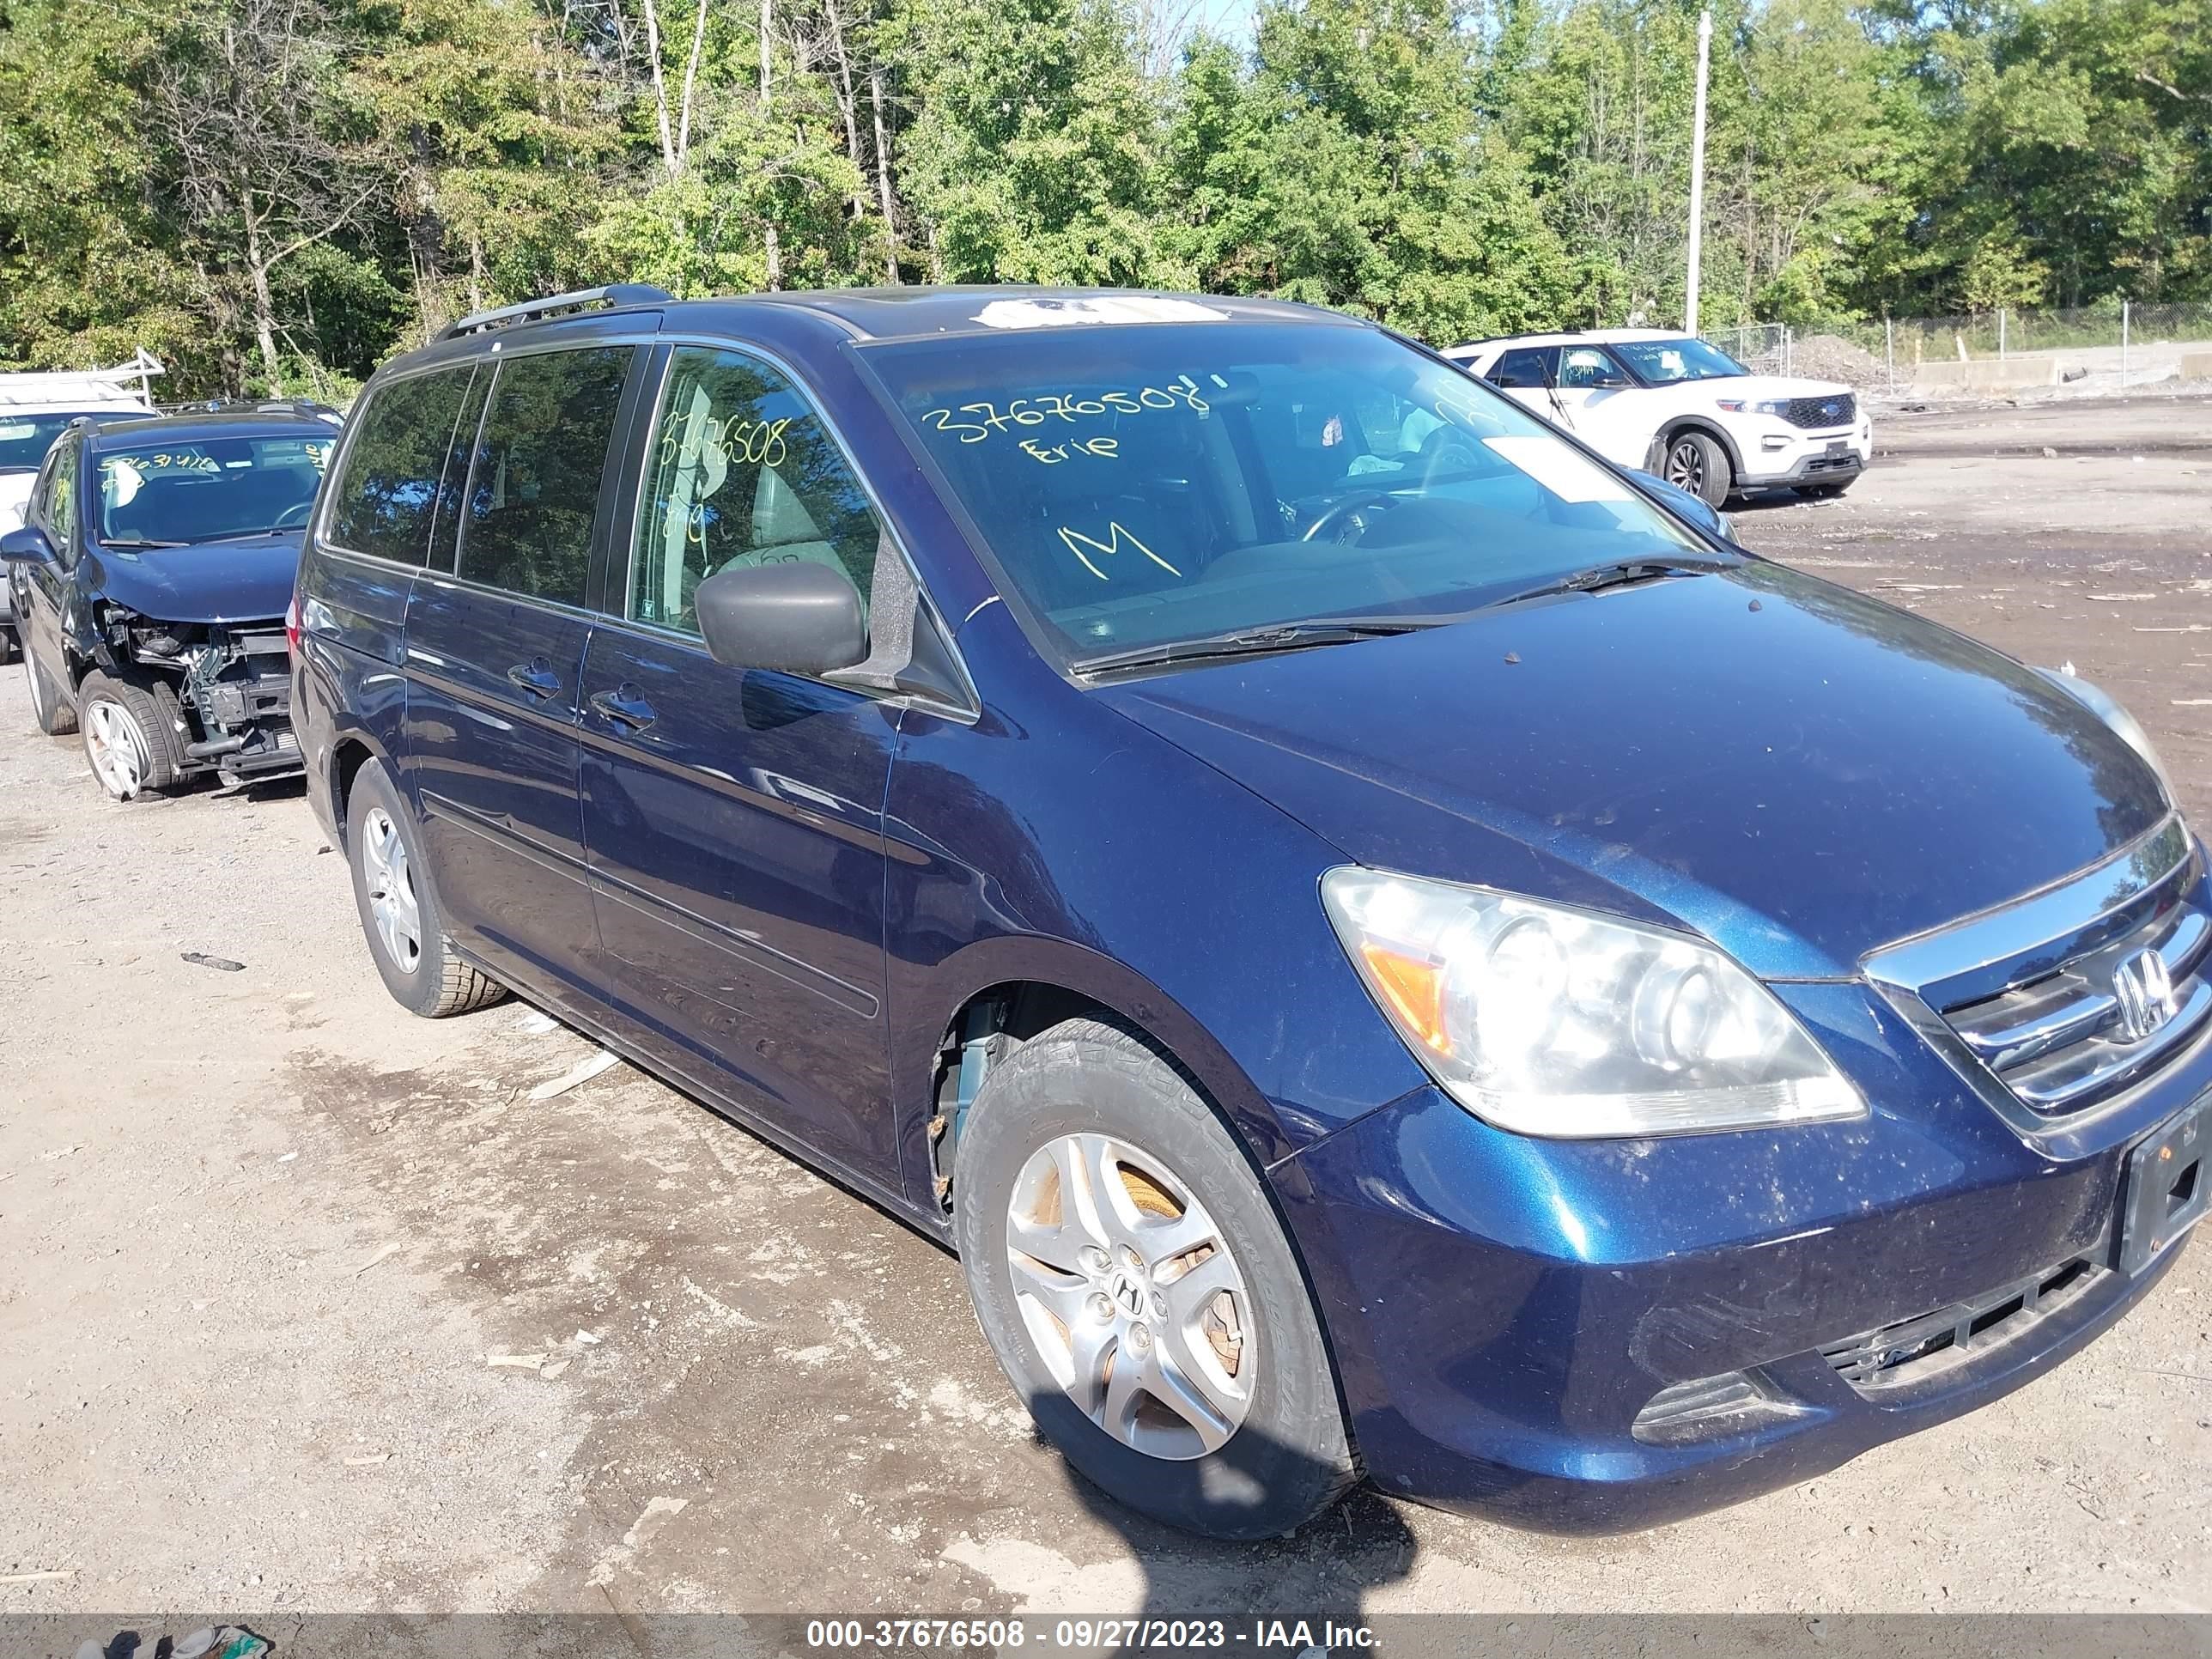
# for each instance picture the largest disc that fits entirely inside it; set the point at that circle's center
(1762, 348)
(2112, 345)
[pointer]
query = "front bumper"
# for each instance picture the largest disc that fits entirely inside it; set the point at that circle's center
(1784, 456)
(1504, 1310)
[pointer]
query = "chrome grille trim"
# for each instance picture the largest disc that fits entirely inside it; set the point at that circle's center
(2026, 999)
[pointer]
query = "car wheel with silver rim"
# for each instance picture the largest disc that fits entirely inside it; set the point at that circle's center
(130, 736)
(1696, 462)
(398, 899)
(1131, 1275)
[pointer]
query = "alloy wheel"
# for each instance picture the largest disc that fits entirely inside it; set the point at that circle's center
(1129, 1291)
(116, 748)
(391, 885)
(1686, 467)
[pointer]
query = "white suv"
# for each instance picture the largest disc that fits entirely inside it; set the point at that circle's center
(1684, 411)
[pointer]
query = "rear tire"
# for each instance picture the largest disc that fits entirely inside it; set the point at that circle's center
(1093, 1190)
(399, 908)
(1696, 462)
(49, 707)
(131, 739)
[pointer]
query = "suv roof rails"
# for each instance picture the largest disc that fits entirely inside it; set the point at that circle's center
(308, 406)
(614, 294)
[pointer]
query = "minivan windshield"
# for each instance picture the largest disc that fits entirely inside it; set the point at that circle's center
(1668, 362)
(204, 489)
(1171, 481)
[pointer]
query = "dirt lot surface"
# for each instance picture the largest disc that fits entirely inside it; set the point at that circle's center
(305, 1304)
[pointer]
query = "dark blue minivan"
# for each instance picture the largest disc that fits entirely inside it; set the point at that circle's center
(1386, 943)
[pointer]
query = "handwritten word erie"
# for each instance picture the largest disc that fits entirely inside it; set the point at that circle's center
(1116, 534)
(1105, 449)
(1181, 393)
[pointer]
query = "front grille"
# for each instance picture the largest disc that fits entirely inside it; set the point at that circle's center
(1837, 408)
(2072, 996)
(1913, 1349)
(2069, 1038)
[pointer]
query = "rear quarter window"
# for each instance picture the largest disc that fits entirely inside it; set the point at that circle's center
(387, 497)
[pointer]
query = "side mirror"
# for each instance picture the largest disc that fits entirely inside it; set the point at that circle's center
(799, 617)
(1686, 504)
(28, 545)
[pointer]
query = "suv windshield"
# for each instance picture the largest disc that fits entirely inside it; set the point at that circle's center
(1174, 482)
(202, 489)
(25, 439)
(1664, 362)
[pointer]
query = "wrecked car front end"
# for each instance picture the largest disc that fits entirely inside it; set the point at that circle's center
(232, 683)
(199, 630)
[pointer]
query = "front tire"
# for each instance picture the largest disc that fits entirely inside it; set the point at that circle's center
(131, 739)
(1129, 1272)
(1696, 462)
(399, 909)
(49, 707)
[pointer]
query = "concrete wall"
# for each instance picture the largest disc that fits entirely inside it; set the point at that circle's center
(2197, 365)
(1982, 374)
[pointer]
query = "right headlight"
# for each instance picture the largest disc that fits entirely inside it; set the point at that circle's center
(1550, 1021)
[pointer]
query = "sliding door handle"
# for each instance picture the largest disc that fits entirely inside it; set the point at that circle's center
(535, 677)
(622, 706)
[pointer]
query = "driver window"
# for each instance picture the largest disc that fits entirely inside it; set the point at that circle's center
(61, 502)
(1585, 369)
(742, 472)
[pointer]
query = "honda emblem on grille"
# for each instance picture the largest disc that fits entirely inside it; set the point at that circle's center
(2145, 992)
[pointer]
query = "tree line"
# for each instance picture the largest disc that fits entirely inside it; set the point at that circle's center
(274, 195)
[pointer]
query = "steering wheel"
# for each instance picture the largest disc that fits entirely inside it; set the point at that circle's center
(1335, 520)
(1447, 453)
(296, 514)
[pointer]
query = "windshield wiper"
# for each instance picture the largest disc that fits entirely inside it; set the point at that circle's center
(240, 535)
(1620, 573)
(1257, 641)
(138, 541)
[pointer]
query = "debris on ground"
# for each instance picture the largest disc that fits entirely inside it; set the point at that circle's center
(1831, 357)
(520, 1362)
(384, 1255)
(583, 1072)
(223, 963)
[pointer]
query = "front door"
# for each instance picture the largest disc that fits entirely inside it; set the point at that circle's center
(495, 655)
(42, 591)
(733, 817)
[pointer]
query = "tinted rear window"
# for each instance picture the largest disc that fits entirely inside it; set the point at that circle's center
(388, 493)
(534, 486)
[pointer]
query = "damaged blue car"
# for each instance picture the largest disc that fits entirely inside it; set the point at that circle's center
(149, 580)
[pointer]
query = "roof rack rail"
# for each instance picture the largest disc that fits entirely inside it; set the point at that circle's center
(614, 294)
(309, 406)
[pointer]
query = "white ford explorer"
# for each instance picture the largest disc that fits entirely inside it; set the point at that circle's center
(1683, 410)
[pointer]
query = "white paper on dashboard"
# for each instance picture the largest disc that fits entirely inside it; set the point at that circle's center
(1560, 469)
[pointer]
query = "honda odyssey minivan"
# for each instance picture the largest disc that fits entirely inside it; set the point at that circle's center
(1384, 941)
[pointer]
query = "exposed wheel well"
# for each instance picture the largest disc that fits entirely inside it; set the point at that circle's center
(346, 762)
(994, 1022)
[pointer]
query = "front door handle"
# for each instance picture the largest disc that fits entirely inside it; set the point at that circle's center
(536, 677)
(623, 706)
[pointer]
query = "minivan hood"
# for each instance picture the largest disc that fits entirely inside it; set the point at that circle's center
(246, 581)
(1795, 771)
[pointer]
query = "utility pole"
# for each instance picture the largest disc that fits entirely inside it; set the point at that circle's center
(1697, 174)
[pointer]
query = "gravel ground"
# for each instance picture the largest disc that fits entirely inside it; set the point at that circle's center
(306, 1305)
